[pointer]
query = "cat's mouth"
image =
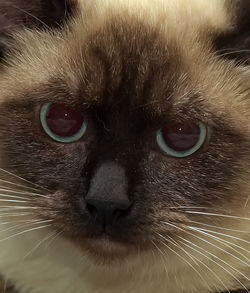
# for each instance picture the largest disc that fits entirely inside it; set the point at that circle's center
(107, 247)
(106, 250)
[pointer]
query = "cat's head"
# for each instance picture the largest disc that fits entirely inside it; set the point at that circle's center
(130, 129)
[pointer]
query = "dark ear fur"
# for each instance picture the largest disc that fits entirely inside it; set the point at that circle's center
(235, 44)
(17, 14)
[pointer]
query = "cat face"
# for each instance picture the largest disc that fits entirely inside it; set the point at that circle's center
(133, 131)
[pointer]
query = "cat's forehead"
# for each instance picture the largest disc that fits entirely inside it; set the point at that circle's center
(128, 61)
(126, 58)
(126, 65)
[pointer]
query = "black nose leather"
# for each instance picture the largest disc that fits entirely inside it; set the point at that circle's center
(107, 198)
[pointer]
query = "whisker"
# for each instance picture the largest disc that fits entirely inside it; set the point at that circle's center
(13, 227)
(24, 225)
(223, 241)
(228, 244)
(221, 228)
(181, 257)
(53, 239)
(163, 255)
(248, 199)
(177, 244)
(225, 251)
(19, 221)
(13, 200)
(5, 285)
(230, 49)
(209, 258)
(22, 192)
(14, 196)
(29, 14)
(233, 52)
(169, 238)
(39, 244)
(26, 231)
(6, 208)
(15, 214)
(220, 240)
(221, 249)
(213, 273)
(193, 209)
(217, 215)
(218, 233)
(196, 208)
(19, 185)
(22, 179)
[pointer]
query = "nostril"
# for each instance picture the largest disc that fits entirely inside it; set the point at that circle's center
(120, 213)
(107, 212)
(92, 209)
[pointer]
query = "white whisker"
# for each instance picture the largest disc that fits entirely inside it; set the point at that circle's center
(223, 250)
(176, 244)
(19, 221)
(248, 199)
(213, 273)
(218, 233)
(220, 228)
(14, 196)
(233, 52)
(24, 180)
(195, 208)
(15, 214)
(19, 185)
(23, 225)
(47, 237)
(211, 259)
(229, 246)
(217, 215)
(22, 192)
(181, 257)
(223, 241)
(54, 238)
(30, 14)
(220, 240)
(9, 208)
(6, 281)
(162, 254)
(26, 231)
(13, 200)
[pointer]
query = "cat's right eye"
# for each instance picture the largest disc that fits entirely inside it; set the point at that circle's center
(62, 123)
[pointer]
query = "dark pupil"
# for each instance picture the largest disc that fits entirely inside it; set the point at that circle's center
(63, 121)
(180, 136)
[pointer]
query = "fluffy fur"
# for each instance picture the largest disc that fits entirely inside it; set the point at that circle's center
(165, 53)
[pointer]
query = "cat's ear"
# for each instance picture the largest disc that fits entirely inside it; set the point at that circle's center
(235, 43)
(18, 14)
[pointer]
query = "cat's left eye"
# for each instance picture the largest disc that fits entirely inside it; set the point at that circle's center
(62, 123)
(181, 139)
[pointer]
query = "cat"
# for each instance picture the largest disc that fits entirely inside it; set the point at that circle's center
(125, 146)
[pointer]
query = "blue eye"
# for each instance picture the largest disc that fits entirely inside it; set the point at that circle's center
(181, 139)
(62, 123)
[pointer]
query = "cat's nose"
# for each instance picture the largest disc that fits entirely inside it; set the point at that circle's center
(107, 198)
(106, 213)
